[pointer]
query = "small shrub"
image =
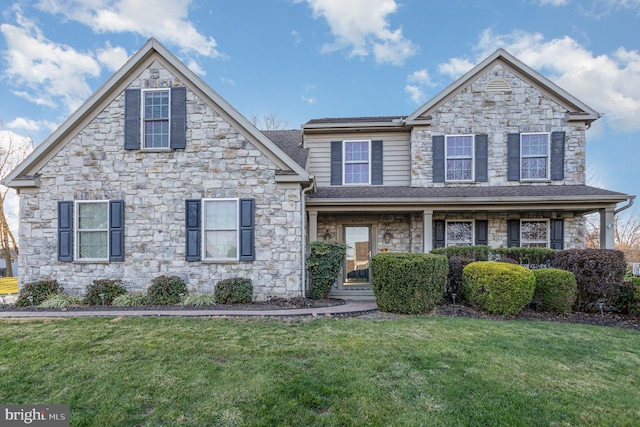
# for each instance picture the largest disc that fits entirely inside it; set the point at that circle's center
(234, 291)
(200, 300)
(130, 300)
(454, 280)
(599, 273)
(166, 290)
(40, 291)
(498, 287)
(532, 258)
(629, 296)
(408, 283)
(111, 288)
(61, 301)
(323, 262)
(555, 290)
(476, 253)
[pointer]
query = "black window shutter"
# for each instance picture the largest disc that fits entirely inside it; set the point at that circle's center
(247, 230)
(336, 162)
(557, 234)
(513, 233)
(192, 223)
(178, 117)
(65, 231)
(513, 157)
(482, 232)
(482, 157)
(438, 158)
(557, 155)
(116, 230)
(439, 234)
(132, 119)
(376, 162)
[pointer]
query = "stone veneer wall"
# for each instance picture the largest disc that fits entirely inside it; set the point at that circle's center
(475, 111)
(218, 162)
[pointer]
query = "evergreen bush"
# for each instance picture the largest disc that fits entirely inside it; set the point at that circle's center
(555, 290)
(234, 291)
(111, 288)
(39, 290)
(166, 290)
(324, 261)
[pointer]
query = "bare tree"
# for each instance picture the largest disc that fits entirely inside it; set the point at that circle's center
(627, 233)
(11, 153)
(269, 122)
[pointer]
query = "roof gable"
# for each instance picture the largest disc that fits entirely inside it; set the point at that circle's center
(577, 110)
(24, 175)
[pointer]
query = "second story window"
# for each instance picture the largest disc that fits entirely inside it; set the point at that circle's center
(534, 156)
(156, 118)
(356, 162)
(459, 158)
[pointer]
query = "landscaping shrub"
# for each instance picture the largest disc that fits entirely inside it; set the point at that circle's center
(599, 274)
(408, 283)
(200, 300)
(531, 258)
(628, 301)
(130, 300)
(555, 290)
(234, 291)
(323, 262)
(454, 279)
(61, 301)
(111, 288)
(498, 287)
(40, 291)
(166, 290)
(476, 253)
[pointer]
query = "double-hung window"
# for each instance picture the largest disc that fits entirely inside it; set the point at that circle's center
(357, 158)
(92, 230)
(155, 118)
(220, 241)
(459, 233)
(459, 157)
(534, 233)
(534, 155)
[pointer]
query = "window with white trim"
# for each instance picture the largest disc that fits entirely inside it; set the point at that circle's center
(459, 233)
(155, 118)
(357, 159)
(92, 230)
(534, 156)
(459, 157)
(534, 233)
(220, 229)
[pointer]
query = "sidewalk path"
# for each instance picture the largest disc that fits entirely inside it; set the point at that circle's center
(349, 308)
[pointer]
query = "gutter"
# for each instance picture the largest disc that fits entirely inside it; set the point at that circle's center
(627, 206)
(312, 186)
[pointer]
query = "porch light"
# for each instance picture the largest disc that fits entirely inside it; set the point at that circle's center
(327, 235)
(387, 236)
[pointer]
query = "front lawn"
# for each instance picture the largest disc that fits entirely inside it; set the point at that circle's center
(413, 371)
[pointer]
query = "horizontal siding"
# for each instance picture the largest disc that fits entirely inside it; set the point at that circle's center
(396, 156)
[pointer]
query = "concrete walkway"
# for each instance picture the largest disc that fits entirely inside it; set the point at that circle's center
(350, 308)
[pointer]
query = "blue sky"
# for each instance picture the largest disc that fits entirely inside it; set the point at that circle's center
(305, 59)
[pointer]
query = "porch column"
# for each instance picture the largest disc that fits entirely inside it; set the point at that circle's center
(313, 226)
(607, 228)
(427, 231)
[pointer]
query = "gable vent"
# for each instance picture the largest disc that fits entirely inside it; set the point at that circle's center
(498, 85)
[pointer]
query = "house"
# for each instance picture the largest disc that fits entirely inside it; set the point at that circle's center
(157, 174)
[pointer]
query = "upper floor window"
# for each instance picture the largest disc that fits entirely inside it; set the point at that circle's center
(356, 162)
(155, 120)
(459, 233)
(459, 157)
(534, 234)
(534, 153)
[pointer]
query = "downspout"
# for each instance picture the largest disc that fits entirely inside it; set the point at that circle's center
(304, 235)
(627, 206)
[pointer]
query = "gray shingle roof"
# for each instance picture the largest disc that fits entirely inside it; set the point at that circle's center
(289, 141)
(373, 119)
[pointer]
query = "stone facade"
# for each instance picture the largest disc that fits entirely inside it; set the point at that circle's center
(218, 162)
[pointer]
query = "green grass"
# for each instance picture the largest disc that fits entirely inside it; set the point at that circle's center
(324, 372)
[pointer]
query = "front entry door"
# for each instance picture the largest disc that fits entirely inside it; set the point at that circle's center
(358, 241)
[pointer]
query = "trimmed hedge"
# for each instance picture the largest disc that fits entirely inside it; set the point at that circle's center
(528, 257)
(599, 273)
(454, 279)
(408, 283)
(234, 291)
(166, 290)
(498, 287)
(476, 253)
(40, 291)
(629, 297)
(111, 288)
(555, 290)
(324, 261)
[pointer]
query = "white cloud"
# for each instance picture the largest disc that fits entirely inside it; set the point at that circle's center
(112, 57)
(362, 27)
(165, 20)
(30, 125)
(554, 3)
(610, 83)
(416, 94)
(310, 101)
(455, 67)
(416, 83)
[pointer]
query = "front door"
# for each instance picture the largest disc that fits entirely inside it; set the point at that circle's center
(358, 241)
